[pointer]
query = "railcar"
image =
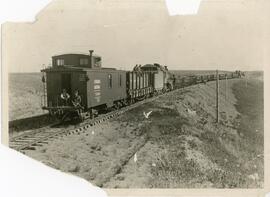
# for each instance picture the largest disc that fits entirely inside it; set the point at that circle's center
(140, 85)
(183, 81)
(148, 80)
(98, 87)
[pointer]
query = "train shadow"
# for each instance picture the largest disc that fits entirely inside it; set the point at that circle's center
(30, 123)
(67, 123)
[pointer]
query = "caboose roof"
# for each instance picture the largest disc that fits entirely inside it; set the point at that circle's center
(73, 69)
(74, 54)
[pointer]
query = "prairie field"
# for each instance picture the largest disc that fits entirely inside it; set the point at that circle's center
(25, 91)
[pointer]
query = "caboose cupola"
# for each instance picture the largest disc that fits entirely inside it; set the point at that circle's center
(77, 60)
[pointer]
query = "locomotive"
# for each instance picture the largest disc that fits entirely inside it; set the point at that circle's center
(102, 88)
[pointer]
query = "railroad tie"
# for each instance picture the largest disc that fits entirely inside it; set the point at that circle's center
(29, 148)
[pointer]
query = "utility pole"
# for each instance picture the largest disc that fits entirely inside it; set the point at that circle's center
(217, 95)
(226, 86)
(246, 80)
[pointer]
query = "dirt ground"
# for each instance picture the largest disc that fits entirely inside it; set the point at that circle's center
(178, 146)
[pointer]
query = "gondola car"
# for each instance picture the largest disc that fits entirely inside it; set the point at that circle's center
(98, 87)
(147, 80)
(184, 81)
(140, 84)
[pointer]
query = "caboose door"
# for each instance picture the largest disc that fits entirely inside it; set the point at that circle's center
(66, 82)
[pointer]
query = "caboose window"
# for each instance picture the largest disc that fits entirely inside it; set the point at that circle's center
(110, 80)
(60, 62)
(83, 61)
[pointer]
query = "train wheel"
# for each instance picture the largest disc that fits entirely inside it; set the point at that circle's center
(129, 102)
(117, 105)
(51, 113)
(65, 116)
(80, 115)
(91, 111)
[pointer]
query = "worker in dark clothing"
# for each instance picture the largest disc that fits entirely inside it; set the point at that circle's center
(77, 100)
(65, 97)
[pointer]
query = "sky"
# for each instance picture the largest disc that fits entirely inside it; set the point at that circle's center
(225, 35)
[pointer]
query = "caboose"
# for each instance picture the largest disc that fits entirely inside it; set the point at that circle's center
(97, 87)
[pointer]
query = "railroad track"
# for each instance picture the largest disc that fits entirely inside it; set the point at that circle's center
(38, 137)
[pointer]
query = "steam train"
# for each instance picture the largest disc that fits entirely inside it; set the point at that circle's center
(104, 88)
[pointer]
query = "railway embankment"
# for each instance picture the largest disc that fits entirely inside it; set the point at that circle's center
(179, 145)
(16, 127)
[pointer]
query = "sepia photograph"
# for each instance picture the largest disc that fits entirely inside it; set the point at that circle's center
(126, 95)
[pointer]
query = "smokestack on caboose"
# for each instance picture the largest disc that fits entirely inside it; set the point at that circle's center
(95, 61)
(91, 58)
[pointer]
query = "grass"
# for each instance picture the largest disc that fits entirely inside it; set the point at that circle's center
(219, 157)
(25, 91)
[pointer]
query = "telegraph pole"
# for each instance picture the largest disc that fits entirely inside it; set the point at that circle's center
(226, 85)
(246, 80)
(217, 95)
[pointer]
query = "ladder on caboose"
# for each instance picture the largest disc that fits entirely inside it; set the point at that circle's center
(44, 96)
